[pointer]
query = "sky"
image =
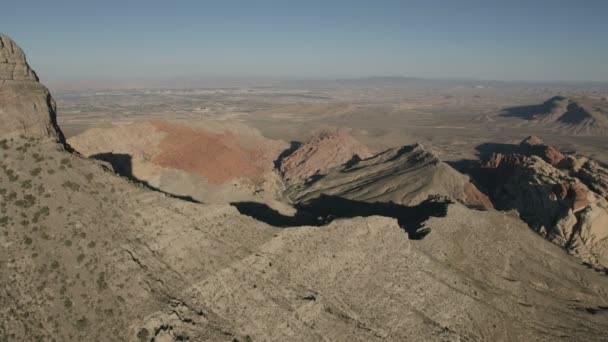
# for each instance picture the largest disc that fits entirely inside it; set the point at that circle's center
(533, 40)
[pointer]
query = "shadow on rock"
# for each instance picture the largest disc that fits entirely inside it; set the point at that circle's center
(123, 165)
(325, 209)
(293, 146)
(486, 149)
(525, 112)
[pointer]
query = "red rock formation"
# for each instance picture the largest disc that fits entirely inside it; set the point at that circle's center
(497, 160)
(535, 146)
(531, 146)
(219, 157)
(325, 149)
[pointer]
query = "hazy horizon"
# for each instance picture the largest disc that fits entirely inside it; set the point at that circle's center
(72, 42)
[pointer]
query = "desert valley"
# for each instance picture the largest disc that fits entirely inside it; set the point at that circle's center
(371, 209)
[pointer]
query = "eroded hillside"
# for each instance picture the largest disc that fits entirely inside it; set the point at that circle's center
(89, 255)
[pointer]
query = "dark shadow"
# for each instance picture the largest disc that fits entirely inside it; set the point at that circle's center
(325, 209)
(264, 213)
(403, 150)
(486, 149)
(122, 165)
(313, 179)
(575, 114)
(464, 165)
(525, 112)
(352, 162)
(532, 111)
(293, 146)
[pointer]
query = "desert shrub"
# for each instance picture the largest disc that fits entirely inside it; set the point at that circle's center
(71, 185)
(142, 335)
(101, 281)
(27, 201)
(42, 212)
(11, 175)
(80, 258)
(35, 172)
(26, 184)
(82, 323)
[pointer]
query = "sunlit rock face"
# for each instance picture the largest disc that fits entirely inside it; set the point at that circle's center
(26, 106)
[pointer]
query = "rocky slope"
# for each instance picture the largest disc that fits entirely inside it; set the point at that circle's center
(88, 255)
(563, 198)
(406, 176)
(324, 150)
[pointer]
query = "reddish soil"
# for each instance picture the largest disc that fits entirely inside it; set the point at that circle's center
(325, 149)
(219, 157)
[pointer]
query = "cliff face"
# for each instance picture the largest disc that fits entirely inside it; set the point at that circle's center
(557, 196)
(27, 106)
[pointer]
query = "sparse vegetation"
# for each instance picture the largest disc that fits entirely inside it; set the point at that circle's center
(143, 334)
(71, 185)
(27, 201)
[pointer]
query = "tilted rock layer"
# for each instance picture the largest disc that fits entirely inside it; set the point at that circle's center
(407, 175)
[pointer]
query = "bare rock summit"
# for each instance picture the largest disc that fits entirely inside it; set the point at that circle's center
(324, 150)
(27, 106)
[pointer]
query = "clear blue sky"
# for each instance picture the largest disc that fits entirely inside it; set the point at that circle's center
(508, 39)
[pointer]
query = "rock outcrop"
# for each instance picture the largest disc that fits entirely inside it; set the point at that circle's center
(324, 150)
(407, 175)
(27, 106)
(589, 171)
(562, 198)
(535, 146)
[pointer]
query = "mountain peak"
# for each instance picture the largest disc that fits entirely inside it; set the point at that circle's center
(13, 65)
(26, 106)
